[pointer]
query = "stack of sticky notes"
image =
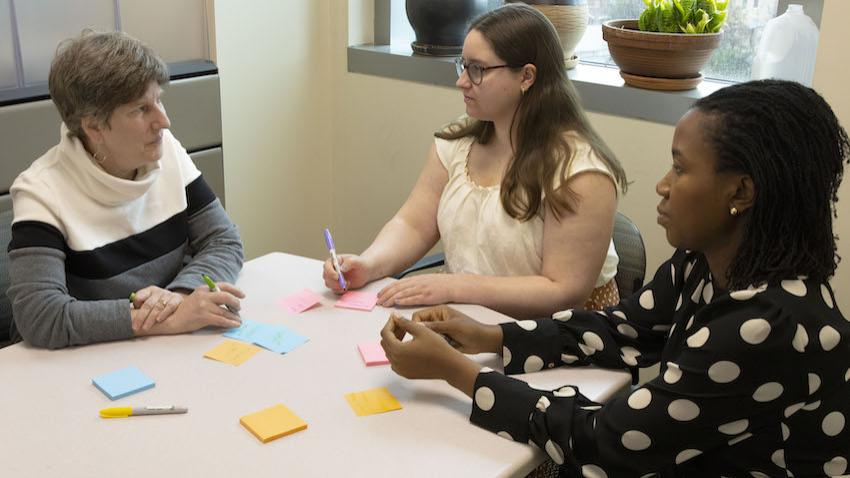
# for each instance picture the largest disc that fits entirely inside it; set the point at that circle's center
(359, 300)
(372, 401)
(121, 383)
(232, 352)
(372, 353)
(300, 301)
(276, 338)
(272, 423)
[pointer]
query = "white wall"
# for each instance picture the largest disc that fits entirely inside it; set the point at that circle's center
(832, 70)
(276, 95)
(375, 131)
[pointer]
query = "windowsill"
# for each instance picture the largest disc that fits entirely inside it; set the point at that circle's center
(601, 88)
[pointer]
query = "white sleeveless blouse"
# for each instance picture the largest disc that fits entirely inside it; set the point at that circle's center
(479, 237)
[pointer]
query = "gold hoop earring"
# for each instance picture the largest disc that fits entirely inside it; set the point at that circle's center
(733, 211)
(99, 160)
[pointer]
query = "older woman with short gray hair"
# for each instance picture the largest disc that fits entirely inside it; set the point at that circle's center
(117, 209)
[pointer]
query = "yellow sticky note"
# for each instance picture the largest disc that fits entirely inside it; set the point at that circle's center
(370, 402)
(272, 423)
(232, 352)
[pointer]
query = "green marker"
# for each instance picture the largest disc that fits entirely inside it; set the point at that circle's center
(132, 300)
(212, 285)
(214, 288)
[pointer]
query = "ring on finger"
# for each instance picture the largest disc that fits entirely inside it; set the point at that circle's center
(163, 302)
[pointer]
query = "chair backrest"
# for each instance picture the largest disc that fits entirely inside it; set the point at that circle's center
(630, 249)
(5, 237)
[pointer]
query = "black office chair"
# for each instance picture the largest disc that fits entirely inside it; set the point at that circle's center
(627, 242)
(630, 249)
(5, 305)
(427, 262)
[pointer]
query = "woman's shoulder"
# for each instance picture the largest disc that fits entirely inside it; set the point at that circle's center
(175, 154)
(453, 152)
(582, 155)
(796, 302)
(41, 176)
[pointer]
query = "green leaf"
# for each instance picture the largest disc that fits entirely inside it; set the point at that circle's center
(690, 29)
(708, 6)
(689, 6)
(703, 22)
(654, 19)
(679, 8)
(643, 21)
(716, 22)
(722, 4)
(648, 3)
(667, 21)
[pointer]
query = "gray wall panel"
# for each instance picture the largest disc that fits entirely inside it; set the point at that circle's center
(27, 130)
(211, 164)
(194, 107)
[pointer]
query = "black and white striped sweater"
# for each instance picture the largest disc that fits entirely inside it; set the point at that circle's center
(82, 240)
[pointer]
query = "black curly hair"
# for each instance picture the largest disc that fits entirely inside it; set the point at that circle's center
(787, 138)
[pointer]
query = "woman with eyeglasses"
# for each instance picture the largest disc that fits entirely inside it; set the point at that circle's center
(522, 191)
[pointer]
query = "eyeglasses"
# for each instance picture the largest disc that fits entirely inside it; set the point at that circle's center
(474, 70)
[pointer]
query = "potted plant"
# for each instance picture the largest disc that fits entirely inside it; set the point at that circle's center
(440, 25)
(668, 45)
(569, 18)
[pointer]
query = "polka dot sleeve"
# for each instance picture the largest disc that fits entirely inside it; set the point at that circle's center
(629, 335)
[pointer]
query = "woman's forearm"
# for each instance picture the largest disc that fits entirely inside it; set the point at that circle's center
(522, 296)
(398, 246)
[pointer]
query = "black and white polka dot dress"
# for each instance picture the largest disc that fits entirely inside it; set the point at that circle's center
(753, 383)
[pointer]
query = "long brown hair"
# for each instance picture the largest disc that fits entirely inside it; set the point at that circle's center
(519, 35)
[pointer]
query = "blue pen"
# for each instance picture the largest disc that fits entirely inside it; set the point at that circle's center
(330, 243)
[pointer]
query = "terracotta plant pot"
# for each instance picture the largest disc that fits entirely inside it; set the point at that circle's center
(440, 25)
(570, 20)
(658, 60)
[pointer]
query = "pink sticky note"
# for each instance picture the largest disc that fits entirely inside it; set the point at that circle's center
(358, 300)
(372, 353)
(300, 301)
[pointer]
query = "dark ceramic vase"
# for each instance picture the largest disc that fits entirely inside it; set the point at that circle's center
(440, 25)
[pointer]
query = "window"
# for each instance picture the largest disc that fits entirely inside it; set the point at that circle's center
(731, 62)
(30, 30)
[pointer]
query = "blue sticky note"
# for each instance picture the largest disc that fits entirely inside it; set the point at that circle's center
(246, 332)
(123, 382)
(276, 338)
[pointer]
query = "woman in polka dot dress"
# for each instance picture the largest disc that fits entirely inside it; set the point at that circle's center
(754, 352)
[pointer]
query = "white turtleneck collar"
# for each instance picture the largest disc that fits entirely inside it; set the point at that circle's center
(103, 187)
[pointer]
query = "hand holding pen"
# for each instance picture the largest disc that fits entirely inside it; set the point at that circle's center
(329, 241)
(344, 272)
(214, 288)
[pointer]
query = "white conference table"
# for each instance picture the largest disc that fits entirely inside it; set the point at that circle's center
(51, 425)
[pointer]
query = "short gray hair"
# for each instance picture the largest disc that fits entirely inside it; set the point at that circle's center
(95, 73)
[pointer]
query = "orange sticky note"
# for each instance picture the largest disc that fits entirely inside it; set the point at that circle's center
(273, 423)
(232, 352)
(370, 402)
